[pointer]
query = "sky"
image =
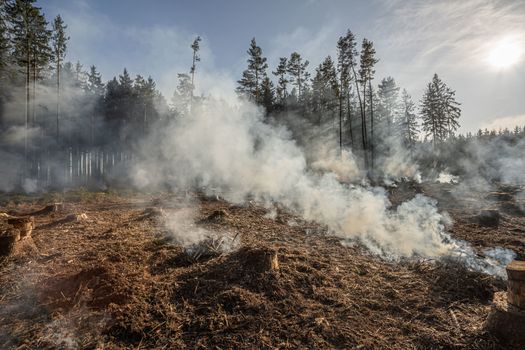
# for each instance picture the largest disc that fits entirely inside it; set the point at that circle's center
(476, 46)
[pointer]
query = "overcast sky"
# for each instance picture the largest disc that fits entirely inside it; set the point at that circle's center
(476, 46)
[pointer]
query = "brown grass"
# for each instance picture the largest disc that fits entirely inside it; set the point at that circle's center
(116, 281)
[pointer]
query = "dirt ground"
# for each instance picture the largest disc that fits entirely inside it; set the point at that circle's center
(115, 279)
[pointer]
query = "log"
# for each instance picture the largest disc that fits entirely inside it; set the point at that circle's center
(516, 283)
(74, 218)
(49, 209)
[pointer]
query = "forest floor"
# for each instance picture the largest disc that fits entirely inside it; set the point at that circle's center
(115, 279)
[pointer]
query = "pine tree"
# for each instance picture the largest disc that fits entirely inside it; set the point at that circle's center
(252, 77)
(440, 111)
(410, 128)
(5, 59)
(149, 95)
(297, 69)
(366, 75)
(95, 89)
(346, 61)
(41, 56)
(195, 46)
(4, 41)
(182, 96)
(267, 94)
(388, 106)
(80, 75)
(59, 42)
(282, 83)
(94, 83)
(25, 19)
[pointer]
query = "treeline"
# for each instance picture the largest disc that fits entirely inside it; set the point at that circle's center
(60, 98)
(60, 121)
(367, 118)
(58, 118)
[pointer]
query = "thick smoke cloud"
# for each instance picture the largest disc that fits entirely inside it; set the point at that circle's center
(231, 150)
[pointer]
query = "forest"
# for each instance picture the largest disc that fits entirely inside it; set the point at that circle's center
(62, 124)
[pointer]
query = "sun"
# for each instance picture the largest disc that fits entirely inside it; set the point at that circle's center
(505, 54)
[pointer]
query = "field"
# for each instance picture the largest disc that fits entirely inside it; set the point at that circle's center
(114, 278)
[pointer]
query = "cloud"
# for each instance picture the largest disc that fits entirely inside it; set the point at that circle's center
(509, 122)
(449, 33)
(415, 39)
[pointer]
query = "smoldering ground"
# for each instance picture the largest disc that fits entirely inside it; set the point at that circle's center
(231, 149)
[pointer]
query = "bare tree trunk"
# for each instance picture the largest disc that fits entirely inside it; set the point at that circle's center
(372, 141)
(363, 118)
(350, 120)
(341, 123)
(58, 97)
(33, 102)
(364, 130)
(28, 73)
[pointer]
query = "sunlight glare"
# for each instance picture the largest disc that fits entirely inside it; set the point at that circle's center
(505, 54)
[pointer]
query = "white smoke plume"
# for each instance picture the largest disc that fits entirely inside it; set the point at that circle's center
(182, 227)
(446, 178)
(230, 148)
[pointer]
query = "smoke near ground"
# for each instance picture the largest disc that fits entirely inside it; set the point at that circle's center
(231, 150)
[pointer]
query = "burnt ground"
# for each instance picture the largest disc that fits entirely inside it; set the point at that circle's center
(116, 280)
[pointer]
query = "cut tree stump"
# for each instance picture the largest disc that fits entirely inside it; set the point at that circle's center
(259, 259)
(489, 218)
(506, 321)
(25, 225)
(8, 241)
(516, 284)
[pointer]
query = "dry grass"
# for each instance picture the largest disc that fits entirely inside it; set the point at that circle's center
(115, 280)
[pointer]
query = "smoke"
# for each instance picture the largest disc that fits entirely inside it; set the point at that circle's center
(398, 164)
(185, 230)
(343, 164)
(446, 178)
(230, 149)
(182, 227)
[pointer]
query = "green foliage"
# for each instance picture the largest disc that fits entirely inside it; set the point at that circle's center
(250, 85)
(439, 110)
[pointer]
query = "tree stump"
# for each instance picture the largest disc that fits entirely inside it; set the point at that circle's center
(516, 284)
(489, 218)
(8, 241)
(259, 259)
(507, 316)
(25, 225)
(506, 321)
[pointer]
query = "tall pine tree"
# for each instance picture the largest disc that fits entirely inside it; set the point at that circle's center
(253, 76)
(440, 111)
(59, 42)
